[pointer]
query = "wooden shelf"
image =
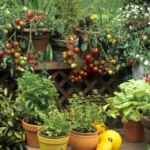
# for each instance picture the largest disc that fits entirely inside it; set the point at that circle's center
(53, 65)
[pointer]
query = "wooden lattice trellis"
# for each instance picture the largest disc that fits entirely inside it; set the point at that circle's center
(59, 72)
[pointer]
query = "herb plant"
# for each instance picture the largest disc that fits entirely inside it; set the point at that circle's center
(34, 96)
(84, 110)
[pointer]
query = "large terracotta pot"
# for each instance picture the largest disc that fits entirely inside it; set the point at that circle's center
(83, 141)
(39, 41)
(134, 131)
(145, 120)
(52, 144)
(31, 134)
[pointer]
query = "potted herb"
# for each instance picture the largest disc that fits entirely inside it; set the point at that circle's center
(55, 130)
(34, 96)
(129, 102)
(83, 111)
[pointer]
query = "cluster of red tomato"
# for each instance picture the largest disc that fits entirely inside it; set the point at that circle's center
(72, 52)
(31, 17)
(12, 50)
(91, 63)
(35, 17)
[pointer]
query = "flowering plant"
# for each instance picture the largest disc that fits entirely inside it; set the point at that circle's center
(134, 16)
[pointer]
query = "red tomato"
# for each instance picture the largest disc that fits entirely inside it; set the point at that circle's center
(9, 52)
(8, 45)
(88, 58)
(95, 50)
(36, 18)
(102, 62)
(30, 14)
(15, 44)
(69, 53)
(1, 53)
(30, 57)
(71, 77)
(17, 20)
(40, 17)
(95, 69)
(130, 62)
(75, 71)
(84, 68)
(71, 42)
(76, 50)
(147, 80)
(69, 62)
(91, 66)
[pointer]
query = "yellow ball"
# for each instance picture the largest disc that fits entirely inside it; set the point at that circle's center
(112, 136)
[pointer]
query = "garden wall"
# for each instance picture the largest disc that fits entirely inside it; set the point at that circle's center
(106, 84)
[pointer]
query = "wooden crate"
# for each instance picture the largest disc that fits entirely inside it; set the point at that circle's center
(59, 72)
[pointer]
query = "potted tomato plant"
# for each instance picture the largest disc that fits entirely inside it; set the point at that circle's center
(31, 21)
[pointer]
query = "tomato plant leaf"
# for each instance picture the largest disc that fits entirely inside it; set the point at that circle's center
(84, 46)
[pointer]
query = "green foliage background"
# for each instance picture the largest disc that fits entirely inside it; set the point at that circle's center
(111, 5)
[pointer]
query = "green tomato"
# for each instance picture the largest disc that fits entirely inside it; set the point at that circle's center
(7, 12)
(8, 26)
(18, 27)
(5, 31)
(41, 24)
(123, 65)
(24, 8)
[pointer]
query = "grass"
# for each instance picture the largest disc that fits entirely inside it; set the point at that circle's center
(111, 5)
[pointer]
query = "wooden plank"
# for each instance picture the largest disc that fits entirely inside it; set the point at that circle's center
(52, 65)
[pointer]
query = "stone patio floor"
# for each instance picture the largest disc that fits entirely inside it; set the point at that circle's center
(125, 145)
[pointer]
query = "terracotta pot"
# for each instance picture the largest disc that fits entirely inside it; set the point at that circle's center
(39, 41)
(83, 141)
(134, 131)
(31, 134)
(52, 144)
(145, 120)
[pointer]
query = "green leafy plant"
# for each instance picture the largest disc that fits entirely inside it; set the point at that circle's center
(11, 133)
(34, 95)
(66, 14)
(56, 123)
(130, 101)
(147, 147)
(84, 110)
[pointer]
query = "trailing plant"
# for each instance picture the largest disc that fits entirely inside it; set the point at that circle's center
(34, 95)
(132, 99)
(11, 133)
(84, 110)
